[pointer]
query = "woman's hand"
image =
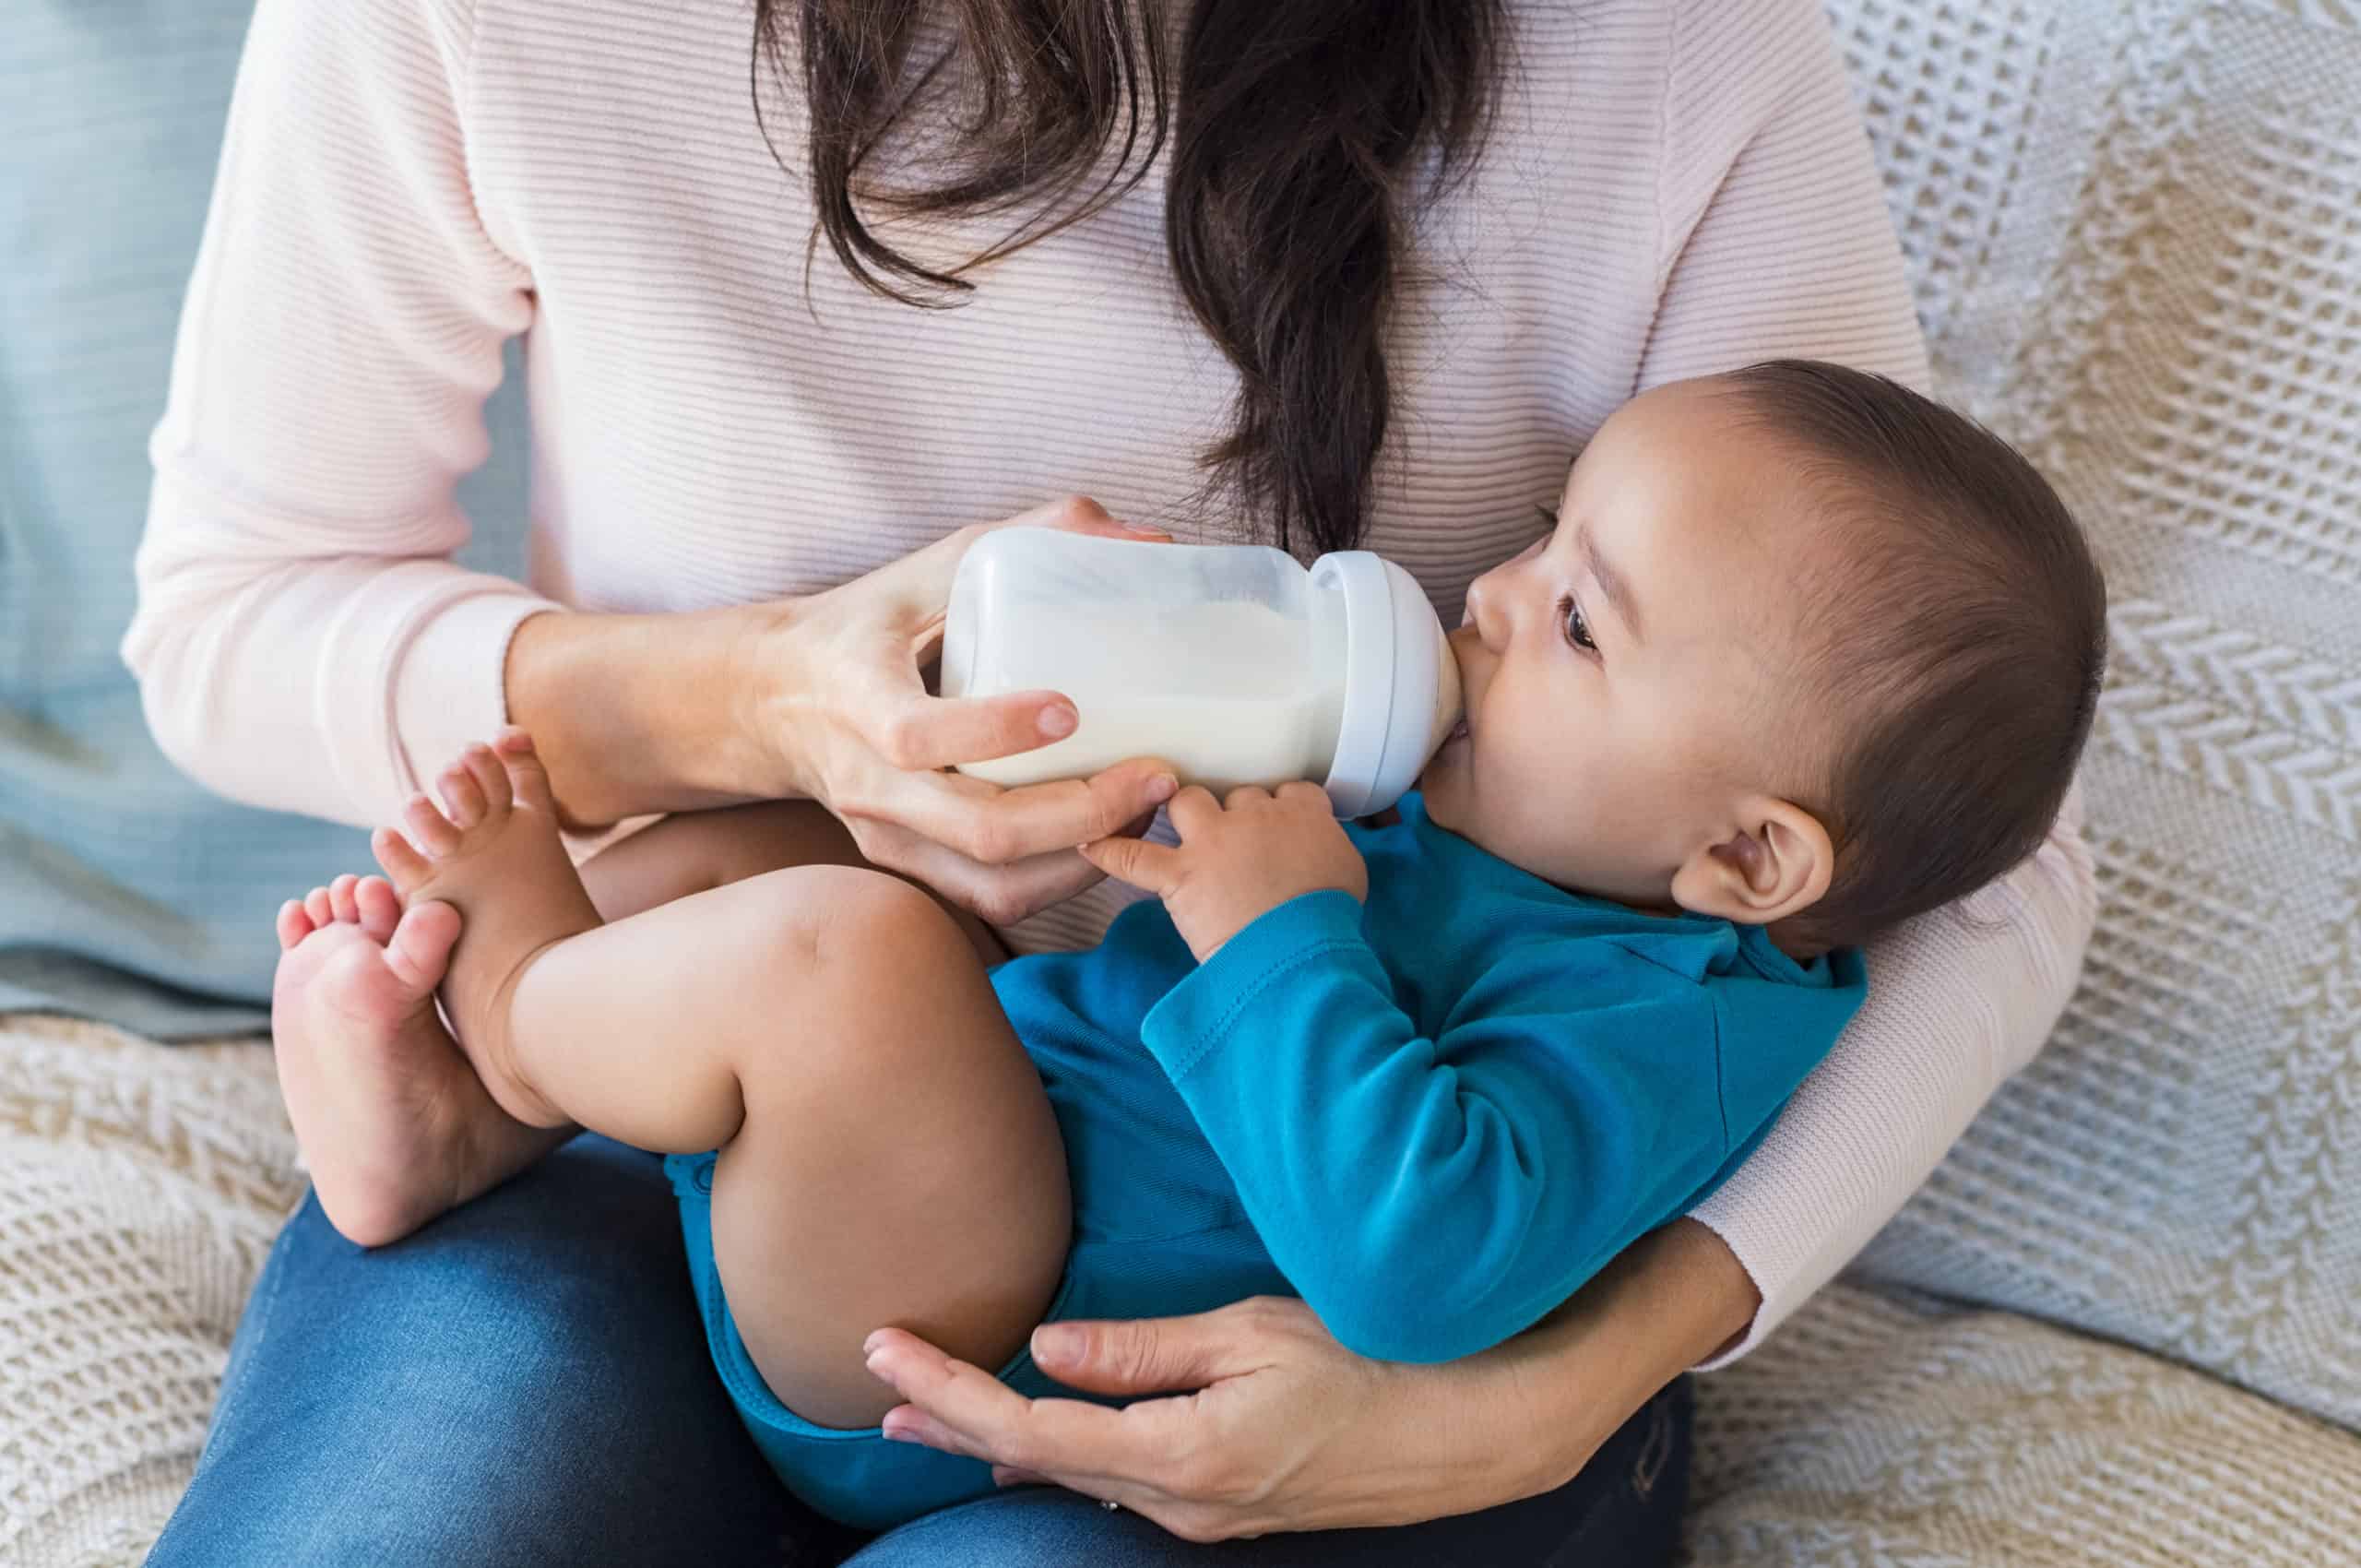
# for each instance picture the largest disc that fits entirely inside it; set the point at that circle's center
(1289, 1430)
(836, 679)
(823, 698)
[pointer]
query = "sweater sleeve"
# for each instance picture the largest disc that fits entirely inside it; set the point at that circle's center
(1775, 241)
(1433, 1197)
(302, 640)
(1959, 999)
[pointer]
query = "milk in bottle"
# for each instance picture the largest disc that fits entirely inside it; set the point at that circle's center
(1233, 662)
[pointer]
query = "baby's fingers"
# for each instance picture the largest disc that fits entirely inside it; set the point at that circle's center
(1156, 868)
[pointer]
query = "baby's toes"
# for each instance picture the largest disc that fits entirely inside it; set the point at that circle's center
(421, 948)
(404, 864)
(317, 905)
(294, 925)
(462, 797)
(526, 775)
(490, 777)
(340, 903)
(428, 828)
(380, 907)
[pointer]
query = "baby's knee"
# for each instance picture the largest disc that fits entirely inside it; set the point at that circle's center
(863, 963)
(812, 917)
(857, 919)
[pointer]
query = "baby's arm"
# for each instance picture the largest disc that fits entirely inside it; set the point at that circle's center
(1432, 1197)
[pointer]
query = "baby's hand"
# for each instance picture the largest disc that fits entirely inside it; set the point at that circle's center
(1237, 859)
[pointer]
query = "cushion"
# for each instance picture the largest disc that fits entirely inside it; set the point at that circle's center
(1888, 1429)
(2134, 232)
(126, 890)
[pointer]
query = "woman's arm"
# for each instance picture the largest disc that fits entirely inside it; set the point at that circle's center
(1959, 999)
(1776, 241)
(302, 640)
(1293, 1433)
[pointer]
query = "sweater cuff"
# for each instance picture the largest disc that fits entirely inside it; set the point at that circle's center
(1752, 1253)
(1196, 1015)
(450, 681)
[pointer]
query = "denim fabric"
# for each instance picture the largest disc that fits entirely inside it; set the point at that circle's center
(525, 1382)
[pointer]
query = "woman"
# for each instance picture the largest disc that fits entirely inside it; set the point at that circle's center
(1423, 249)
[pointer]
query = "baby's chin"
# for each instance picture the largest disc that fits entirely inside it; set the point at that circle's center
(1439, 790)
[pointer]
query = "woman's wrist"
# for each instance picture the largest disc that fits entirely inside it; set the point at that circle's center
(634, 714)
(1671, 1299)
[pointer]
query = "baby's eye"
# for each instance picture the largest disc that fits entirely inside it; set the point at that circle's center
(1577, 629)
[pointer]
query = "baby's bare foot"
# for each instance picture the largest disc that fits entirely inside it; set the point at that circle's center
(394, 1123)
(495, 856)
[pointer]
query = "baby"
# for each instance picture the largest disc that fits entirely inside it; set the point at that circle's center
(1804, 655)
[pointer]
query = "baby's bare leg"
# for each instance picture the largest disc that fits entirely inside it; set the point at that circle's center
(887, 1154)
(692, 851)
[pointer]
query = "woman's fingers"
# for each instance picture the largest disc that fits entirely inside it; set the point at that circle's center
(994, 827)
(1008, 1475)
(1141, 1355)
(1078, 513)
(920, 581)
(961, 1409)
(1000, 896)
(920, 732)
(1175, 1460)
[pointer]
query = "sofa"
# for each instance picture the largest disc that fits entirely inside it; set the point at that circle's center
(2120, 1326)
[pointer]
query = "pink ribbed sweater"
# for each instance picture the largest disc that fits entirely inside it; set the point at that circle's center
(1671, 189)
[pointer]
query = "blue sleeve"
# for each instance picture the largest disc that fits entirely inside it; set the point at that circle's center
(1430, 1198)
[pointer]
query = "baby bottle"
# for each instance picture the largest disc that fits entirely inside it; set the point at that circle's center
(1234, 663)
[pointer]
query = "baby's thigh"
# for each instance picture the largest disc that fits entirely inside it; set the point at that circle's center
(692, 851)
(898, 1165)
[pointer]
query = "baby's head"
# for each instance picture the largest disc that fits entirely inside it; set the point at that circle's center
(1805, 649)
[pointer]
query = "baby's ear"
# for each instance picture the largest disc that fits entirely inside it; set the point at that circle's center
(1777, 862)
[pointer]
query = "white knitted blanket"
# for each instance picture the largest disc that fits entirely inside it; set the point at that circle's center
(2135, 230)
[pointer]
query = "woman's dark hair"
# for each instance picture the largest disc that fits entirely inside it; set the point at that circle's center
(1958, 630)
(1296, 127)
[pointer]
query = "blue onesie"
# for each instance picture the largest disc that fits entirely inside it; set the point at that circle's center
(1432, 1117)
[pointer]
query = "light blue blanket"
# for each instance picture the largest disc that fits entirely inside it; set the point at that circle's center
(127, 892)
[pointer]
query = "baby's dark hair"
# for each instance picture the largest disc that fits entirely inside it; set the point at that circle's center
(1958, 630)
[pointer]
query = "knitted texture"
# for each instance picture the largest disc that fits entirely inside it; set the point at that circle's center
(2134, 233)
(140, 1189)
(2137, 234)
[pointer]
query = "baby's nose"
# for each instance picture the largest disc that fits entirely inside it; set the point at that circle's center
(1479, 616)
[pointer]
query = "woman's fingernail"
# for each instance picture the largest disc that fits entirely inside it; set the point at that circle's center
(1057, 1342)
(1057, 722)
(1162, 788)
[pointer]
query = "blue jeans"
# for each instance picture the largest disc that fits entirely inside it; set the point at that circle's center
(525, 1381)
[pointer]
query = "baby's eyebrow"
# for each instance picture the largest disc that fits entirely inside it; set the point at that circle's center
(1611, 583)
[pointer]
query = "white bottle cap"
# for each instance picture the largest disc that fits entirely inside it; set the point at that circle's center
(1401, 692)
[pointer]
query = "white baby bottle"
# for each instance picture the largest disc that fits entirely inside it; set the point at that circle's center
(1234, 663)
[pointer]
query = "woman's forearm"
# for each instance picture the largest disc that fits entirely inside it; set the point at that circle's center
(634, 714)
(1669, 1301)
(1959, 999)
